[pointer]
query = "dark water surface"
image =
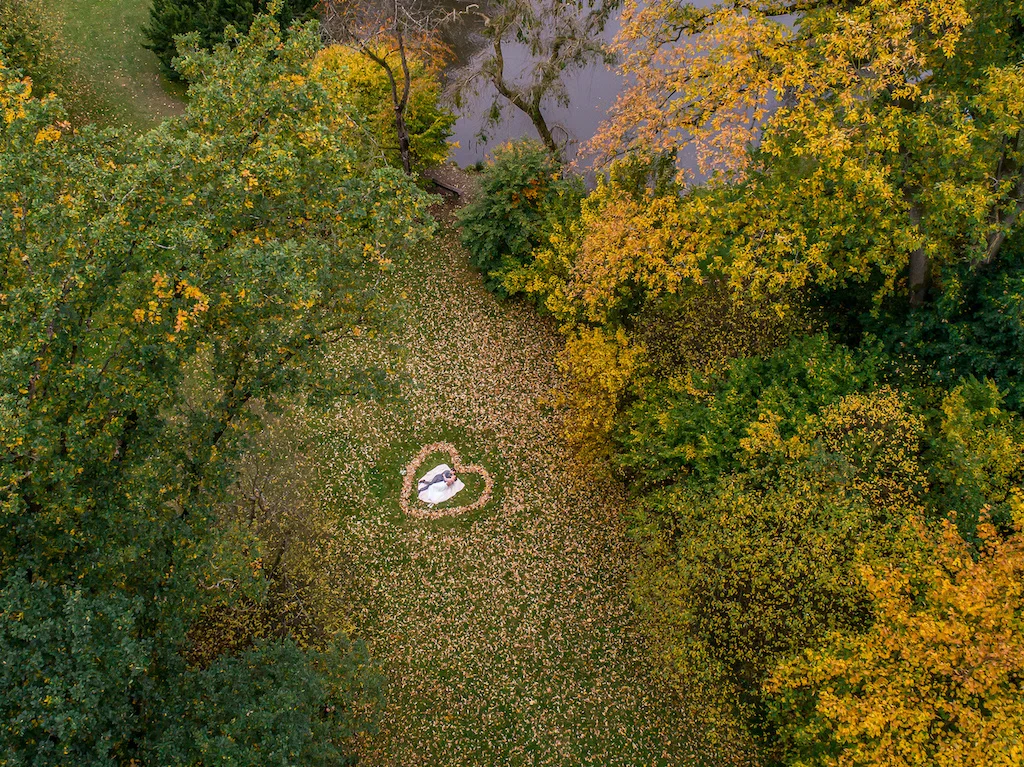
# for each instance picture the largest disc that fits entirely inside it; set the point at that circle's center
(592, 92)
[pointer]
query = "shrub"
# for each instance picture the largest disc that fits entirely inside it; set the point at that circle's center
(976, 459)
(760, 564)
(746, 573)
(522, 187)
(879, 436)
(273, 704)
(694, 425)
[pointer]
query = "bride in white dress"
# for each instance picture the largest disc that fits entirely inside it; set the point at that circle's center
(439, 484)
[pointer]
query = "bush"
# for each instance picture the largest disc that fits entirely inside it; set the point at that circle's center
(760, 564)
(879, 436)
(694, 426)
(274, 704)
(976, 460)
(362, 86)
(747, 573)
(522, 187)
(209, 19)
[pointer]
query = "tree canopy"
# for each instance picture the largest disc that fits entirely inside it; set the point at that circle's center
(937, 677)
(153, 288)
(845, 143)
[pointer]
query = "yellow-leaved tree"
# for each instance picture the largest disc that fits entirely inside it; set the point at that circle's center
(840, 142)
(937, 678)
(362, 88)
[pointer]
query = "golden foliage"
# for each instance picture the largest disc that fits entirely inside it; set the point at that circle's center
(936, 680)
(744, 574)
(599, 365)
(710, 75)
(881, 439)
(898, 136)
(362, 91)
(992, 443)
(619, 245)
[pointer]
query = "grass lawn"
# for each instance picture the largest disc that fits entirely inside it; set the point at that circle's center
(127, 87)
(507, 634)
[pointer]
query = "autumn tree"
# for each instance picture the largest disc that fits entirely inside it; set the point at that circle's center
(402, 39)
(846, 143)
(935, 680)
(559, 36)
(759, 563)
(153, 289)
(362, 86)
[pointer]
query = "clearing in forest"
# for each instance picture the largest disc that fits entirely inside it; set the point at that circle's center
(506, 634)
(126, 85)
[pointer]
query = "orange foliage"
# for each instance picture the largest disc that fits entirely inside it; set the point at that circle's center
(935, 681)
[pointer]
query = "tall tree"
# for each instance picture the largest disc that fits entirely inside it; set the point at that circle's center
(398, 37)
(875, 140)
(936, 679)
(152, 289)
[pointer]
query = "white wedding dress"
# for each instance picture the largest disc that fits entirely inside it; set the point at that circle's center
(438, 492)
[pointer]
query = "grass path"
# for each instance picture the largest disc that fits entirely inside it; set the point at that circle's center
(507, 635)
(126, 85)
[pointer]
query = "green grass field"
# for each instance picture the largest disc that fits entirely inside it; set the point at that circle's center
(126, 86)
(507, 635)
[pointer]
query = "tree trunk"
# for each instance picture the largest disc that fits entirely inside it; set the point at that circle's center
(515, 97)
(403, 141)
(401, 103)
(996, 239)
(398, 100)
(544, 132)
(918, 277)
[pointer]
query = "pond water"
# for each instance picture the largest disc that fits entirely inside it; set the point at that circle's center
(592, 92)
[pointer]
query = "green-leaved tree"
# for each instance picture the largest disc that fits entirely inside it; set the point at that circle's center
(230, 248)
(209, 19)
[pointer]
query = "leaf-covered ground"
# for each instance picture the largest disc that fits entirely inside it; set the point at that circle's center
(507, 635)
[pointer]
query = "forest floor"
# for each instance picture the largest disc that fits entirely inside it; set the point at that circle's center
(507, 635)
(126, 86)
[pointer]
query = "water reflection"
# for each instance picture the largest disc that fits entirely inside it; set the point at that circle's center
(592, 91)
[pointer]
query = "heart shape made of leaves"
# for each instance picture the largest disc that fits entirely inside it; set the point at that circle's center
(412, 469)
